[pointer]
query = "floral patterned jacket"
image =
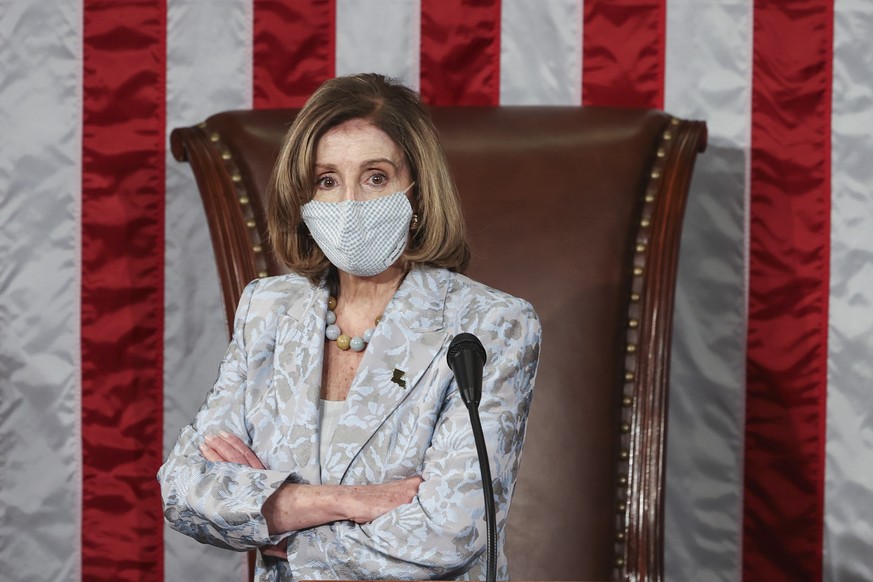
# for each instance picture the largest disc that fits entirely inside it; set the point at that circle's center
(403, 417)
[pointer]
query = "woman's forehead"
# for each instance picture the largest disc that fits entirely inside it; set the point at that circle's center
(357, 140)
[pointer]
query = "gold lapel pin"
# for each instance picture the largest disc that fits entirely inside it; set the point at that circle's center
(397, 378)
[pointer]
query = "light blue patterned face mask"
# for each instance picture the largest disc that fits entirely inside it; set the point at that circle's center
(361, 237)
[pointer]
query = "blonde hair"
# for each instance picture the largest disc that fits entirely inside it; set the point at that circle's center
(440, 239)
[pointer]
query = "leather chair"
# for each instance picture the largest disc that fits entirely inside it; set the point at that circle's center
(578, 210)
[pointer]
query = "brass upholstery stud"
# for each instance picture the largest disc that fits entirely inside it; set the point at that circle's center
(202, 125)
(257, 248)
(621, 507)
(626, 401)
(619, 562)
(214, 137)
(645, 222)
(236, 177)
(251, 223)
(629, 376)
(650, 198)
(243, 200)
(631, 348)
(625, 427)
(225, 155)
(656, 174)
(624, 455)
(638, 271)
(635, 297)
(674, 121)
(668, 136)
(262, 274)
(633, 323)
(641, 247)
(661, 152)
(620, 536)
(622, 481)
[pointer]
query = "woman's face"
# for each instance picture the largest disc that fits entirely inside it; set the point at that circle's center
(358, 161)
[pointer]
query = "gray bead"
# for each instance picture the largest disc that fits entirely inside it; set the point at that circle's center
(357, 344)
(331, 317)
(368, 334)
(332, 332)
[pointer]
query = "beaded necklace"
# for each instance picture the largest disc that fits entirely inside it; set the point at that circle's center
(343, 341)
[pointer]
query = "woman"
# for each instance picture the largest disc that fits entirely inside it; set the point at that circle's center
(334, 438)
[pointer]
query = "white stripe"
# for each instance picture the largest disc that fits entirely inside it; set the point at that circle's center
(379, 37)
(40, 185)
(541, 52)
(849, 454)
(209, 69)
(708, 76)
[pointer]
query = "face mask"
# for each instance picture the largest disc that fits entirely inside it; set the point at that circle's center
(361, 237)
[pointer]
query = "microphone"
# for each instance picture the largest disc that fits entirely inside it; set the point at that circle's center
(466, 359)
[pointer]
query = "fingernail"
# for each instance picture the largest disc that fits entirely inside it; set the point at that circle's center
(208, 438)
(224, 433)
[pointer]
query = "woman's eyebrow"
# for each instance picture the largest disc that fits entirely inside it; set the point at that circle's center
(325, 166)
(379, 161)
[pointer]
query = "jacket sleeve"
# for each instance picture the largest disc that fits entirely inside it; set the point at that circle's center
(220, 503)
(442, 534)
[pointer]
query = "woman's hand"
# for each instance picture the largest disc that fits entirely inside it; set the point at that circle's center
(297, 506)
(367, 502)
(227, 448)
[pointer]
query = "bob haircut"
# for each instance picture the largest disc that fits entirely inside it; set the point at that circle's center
(440, 239)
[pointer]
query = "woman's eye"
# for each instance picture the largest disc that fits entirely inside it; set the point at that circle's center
(326, 182)
(378, 179)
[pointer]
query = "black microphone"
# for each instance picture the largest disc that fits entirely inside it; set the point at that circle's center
(466, 359)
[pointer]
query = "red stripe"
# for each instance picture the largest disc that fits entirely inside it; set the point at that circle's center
(122, 288)
(294, 50)
(788, 291)
(623, 44)
(460, 52)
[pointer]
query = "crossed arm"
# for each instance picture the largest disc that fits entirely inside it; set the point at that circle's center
(295, 506)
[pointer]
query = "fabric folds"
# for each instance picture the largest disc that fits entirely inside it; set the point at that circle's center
(786, 374)
(122, 290)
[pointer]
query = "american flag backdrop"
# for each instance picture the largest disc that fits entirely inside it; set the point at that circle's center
(110, 315)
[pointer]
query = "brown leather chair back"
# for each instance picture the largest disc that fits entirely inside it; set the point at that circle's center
(578, 210)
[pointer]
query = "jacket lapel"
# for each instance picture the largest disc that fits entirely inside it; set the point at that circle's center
(297, 374)
(405, 343)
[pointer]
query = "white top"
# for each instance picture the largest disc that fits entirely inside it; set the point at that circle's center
(328, 417)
